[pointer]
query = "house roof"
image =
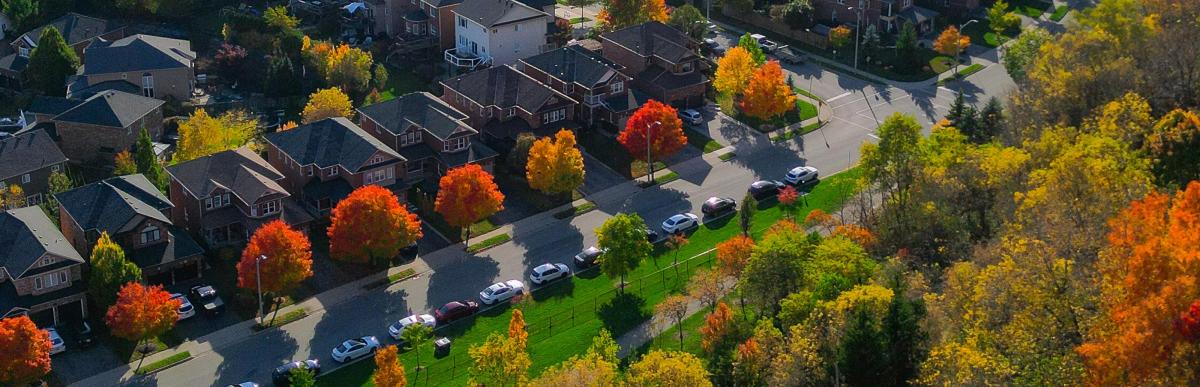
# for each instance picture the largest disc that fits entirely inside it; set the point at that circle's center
(442, 3)
(26, 234)
(574, 64)
(53, 106)
(491, 13)
(109, 204)
(74, 28)
(78, 87)
(137, 53)
(179, 247)
(239, 171)
(504, 87)
(14, 63)
(654, 39)
(329, 142)
(661, 78)
(27, 152)
(421, 109)
(111, 108)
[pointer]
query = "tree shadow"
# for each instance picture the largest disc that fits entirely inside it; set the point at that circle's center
(254, 359)
(623, 313)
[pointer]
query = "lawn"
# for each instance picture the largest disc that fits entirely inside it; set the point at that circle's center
(564, 317)
(701, 141)
(941, 64)
(1060, 13)
(164, 363)
(804, 110)
(401, 82)
(578, 20)
(1031, 8)
(981, 33)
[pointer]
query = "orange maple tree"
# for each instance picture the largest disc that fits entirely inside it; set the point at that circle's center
(768, 94)
(389, 372)
(716, 326)
(733, 254)
(288, 259)
(24, 351)
(142, 312)
(370, 225)
(1148, 277)
(951, 42)
(466, 195)
(666, 132)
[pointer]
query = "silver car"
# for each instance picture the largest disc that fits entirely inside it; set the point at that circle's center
(397, 328)
(355, 348)
(501, 291)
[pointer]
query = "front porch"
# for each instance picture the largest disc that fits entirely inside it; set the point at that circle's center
(465, 60)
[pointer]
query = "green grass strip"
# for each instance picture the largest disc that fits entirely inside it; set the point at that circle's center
(575, 211)
(164, 363)
(1060, 13)
(283, 320)
(701, 141)
(489, 243)
(402, 275)
(727, 156)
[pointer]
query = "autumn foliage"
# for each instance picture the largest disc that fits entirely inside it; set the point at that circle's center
(555, 165)
(24, 351)
(734, 70)
(716, 326)
(142, 312)
(951, 42)
(768, 94)
(666, 131)
(733, 254)
(618, 14)
(466, 195)
(288, 258)
(388, 370)
(369, 225)
(203, 134)
(327, 103)
(1188, 323)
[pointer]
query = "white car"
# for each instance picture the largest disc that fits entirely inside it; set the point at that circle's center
(397, 328)
(501, 291)
(355, 348)
(57, 345)
(186, 310)
(801, 175)
(680, 222)
(691, 117)
(547, 272)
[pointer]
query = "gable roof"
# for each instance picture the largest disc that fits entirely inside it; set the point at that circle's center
(109, 204)
(74, 27)
(26, 234)
(574, 64)
(111, 108)
(28, 152)
(441, 3)
(239, 171)
(78, 88)
(137, 53)
(504, 87)
(329, 142)
(53, 106)
(491, 13)
(421, 109)
(653, 39)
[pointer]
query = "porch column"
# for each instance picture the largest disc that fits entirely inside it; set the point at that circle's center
(83, 306)
(54, 311)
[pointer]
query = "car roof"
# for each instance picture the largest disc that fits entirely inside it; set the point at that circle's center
(591, 250)
(545, 266)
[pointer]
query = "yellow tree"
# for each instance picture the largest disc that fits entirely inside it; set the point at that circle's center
(660, 368)
(768, 95)
(326, 103)
(499, 361)
(124, 164)
(555, 166)
(655, 10)
(734, 71)
(202, 134)
(951, 42)
(596, 368)
(388, 370)
(516, 329)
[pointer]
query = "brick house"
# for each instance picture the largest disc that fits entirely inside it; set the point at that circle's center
(587, 77)
(134, 214)
(662, 61)
(503, 102)
(428, 133)
(324, 161)
(40, 273)
(888, 16)
(95, 129)
(427, 18)
(79, 31)
(161, 67)
(497, 32)
(226, 196)
(27, 159)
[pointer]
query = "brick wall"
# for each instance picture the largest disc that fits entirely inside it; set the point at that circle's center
(83, 142)
(176, 82)
(631, 61)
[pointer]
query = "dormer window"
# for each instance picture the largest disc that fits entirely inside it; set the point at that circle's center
(216, 201)
(270, 207)
(308, 170)
(376, 159)
(331, 171)
(150, 234)
(48, 261)
(412, 137)
(685, 67)
(23, 52)
(455, 144)
(512, 111)
(618, 87)
(569, 88)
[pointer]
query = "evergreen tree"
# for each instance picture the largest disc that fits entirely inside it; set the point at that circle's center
(746, 213)
(991, 121)
(870, 40)
(964, 117)
(21, 12)
(147, 161)
(281, 79)
(862, 358)
(906, 44)
(903, 337)
(51, 62)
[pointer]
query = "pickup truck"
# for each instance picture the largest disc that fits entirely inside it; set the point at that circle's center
(766, 44)
(788, 55)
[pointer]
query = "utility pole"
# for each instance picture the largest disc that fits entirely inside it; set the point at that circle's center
(649, 162)
(857, 29)
(258, 284)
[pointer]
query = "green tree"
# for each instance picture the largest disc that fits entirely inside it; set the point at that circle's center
(623, 239)
(59, 183)
(131, 7)
(415, 336)
(991, 122)
(751, 45)
(893, 165)
(863, 359)
(281, 79)
(746, 213)
(906, 45)
(278, 17)
(518, 158)
(51, 62)
(22, 13)
(903, 336)
(1001, 20)
(775, 268)
(689, 20)
(870, 40)
(962, 116)
(109, 272)
(798, 14)
(1021, 53)
(302, 377)
(147, 161)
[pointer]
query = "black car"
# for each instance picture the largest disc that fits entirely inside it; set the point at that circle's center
(455, 310)
(717, 206)
(207, 299)
(651, 235)
(764, 189)
(84, 336)
(587, 257)
(282, 374)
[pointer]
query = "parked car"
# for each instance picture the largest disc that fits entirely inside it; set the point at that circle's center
(587, 257)
(244, 384)
(716, 206)
(764, 188)
(787, 54)
(397, 328)
(57, 345)
(186, 310)
(768, 46)
(281, 375)
(712, 28)
(210, 303)
(547, 272)
(651, 235)
(680, 222)
(691, 117)
(355, 348)
(455, 310)
(801, 175)
(501, 291)
(84, 336)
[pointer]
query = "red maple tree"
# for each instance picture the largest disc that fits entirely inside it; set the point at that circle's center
(142, 312)
(666, 132)
(24, 351)
(466, 195)
(371, 225)
(1188, 323)
(288, 259)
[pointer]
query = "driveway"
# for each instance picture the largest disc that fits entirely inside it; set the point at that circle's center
(598, 176)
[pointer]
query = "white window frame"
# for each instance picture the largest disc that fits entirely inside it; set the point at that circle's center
(24, 52)
(568, 88)
(148, 85)
(55, 168)
(48, 261)
(150, 234)
(554, 116)
(455, 144)
(512, 111)
(308, 170)
(270, 207)
(618, 87)
(332, 171)
(25, 179)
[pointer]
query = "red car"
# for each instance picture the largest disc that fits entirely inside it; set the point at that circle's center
(455, 310)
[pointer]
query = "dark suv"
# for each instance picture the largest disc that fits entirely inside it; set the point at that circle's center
(281, 376)
(207, 299)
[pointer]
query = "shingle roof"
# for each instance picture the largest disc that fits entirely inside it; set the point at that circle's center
(421, 109)
(79, 88)
(442, 3)
(491, 13)
(13, 62)
(27, 152)
(109, 204)
(137, 53)
(574, 64)
(329, 142)
(111, 108)
(25, 235)
(52, 106)
(653, 39)
(239, 171)
(659, 77)
(504, 87)
(74, 28)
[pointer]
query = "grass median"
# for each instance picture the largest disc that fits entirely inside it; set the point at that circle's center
(164, 363)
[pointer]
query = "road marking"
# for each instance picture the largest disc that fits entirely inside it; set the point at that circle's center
(874, 136)
(839, 96)
(947, 89)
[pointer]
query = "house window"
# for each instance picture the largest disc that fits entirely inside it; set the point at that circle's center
(37, 283)
(148, 85)
(331, 171)
(33, 200)
(216, 201)
(412, 137)
(376, 159)
(150, 234)
(593, 99)
(25, 178)
(516, 27)
(308, 170)
(454, 144)
(54, 168)
(23, 52)
(270, 207)
(462, 40)
(474, 48)
(379, 175)
(47, 261)
(686, 67)
(462, 22)
(433, 29)
(62, 277)
(554, 116)
(618, 87)
(415, 167)
(512, 111)
(569, 88)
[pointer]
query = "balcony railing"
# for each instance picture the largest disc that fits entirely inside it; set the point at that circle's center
(465, 60)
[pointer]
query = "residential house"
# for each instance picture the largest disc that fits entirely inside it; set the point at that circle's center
(161, 67)
(429, 18)
(503, 102)
(324, 161)
(27, 159)
(587, 77)
(133, 213)
(956, 8)
(40, 273)
(225, 197)
(79, 31)
(95, 129)
(496, 32)
(662, 61)
(888, 16)
(428, 133)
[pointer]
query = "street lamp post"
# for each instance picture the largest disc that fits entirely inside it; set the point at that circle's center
(959, 48)
(649, 162)
(857, 30)
(258, 284)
